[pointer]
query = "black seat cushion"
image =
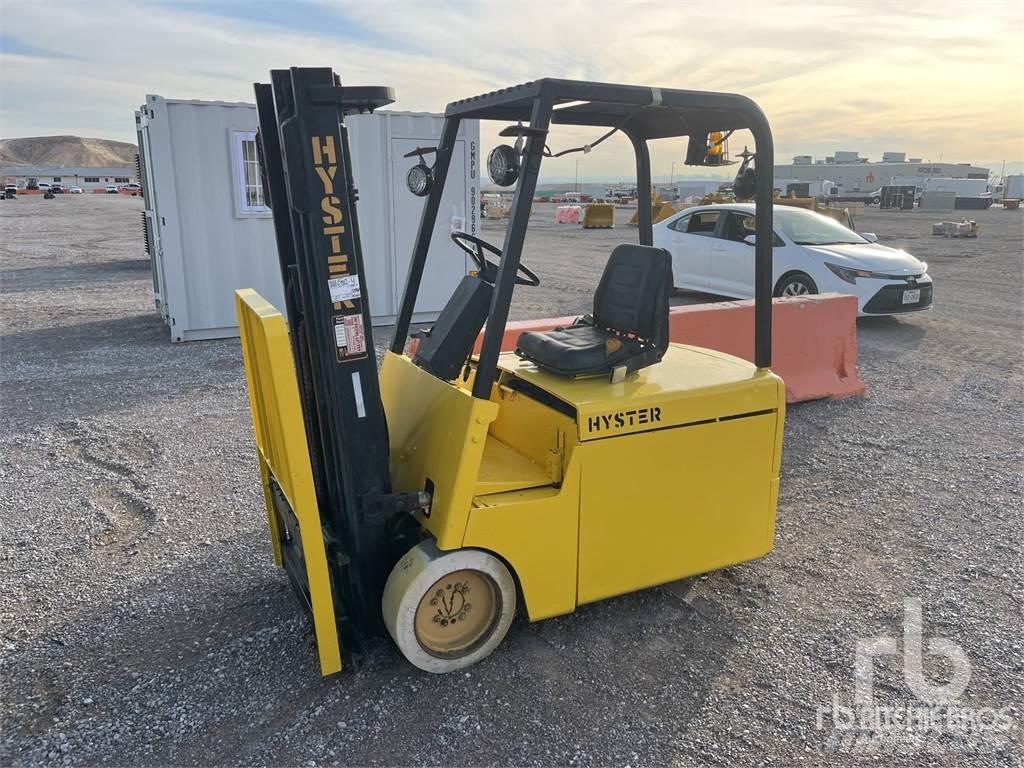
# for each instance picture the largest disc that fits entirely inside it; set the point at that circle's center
(577, 350)
(629, 327)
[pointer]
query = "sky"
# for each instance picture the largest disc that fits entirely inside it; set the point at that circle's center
(935, 80)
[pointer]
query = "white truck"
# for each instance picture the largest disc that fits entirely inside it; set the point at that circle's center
(824, 190)
(962, 187)
(1013, 187)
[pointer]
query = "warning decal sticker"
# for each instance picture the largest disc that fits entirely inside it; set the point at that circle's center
(349, 336)
(355, 334)
(344, 288)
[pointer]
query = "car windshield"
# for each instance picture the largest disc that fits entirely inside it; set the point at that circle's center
(809, 228)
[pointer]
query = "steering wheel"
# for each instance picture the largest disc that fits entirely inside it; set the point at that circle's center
(489, 269)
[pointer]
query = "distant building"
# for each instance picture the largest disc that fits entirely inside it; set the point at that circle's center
(852, 173)
(69, 176)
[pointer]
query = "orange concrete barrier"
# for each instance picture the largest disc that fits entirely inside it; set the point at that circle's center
(814, 339)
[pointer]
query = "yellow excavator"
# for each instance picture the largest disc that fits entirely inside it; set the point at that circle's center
(440, 497)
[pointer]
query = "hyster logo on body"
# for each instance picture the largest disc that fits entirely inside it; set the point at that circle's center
(342, 281)
(325, 163)
(610, 421)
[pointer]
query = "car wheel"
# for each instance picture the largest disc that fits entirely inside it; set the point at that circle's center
(795, 284)
(448, 610)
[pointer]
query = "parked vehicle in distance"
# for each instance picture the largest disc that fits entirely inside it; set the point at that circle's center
(132, 186)
(42, 186)
(57, 189)
(712, 251)
(10, 191)
(75, 190)
(870, 197)
(1013, 187)
(111, 189)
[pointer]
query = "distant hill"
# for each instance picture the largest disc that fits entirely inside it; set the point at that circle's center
(67, 150)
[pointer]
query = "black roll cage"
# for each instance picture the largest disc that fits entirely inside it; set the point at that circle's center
(640, 112)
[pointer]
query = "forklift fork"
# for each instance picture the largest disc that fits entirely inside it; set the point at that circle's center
(285, 470)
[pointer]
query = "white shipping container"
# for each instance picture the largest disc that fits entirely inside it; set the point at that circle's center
(208, 232)
(389, 214)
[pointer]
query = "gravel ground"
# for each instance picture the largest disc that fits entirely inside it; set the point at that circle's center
(142, 620)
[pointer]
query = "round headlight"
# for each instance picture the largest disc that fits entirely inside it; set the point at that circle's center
(503, 165)
(419, 179)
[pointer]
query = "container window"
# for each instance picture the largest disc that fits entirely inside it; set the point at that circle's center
(248, 188)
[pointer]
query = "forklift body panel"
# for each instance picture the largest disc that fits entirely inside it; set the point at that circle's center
(689, 385)
(709, 422)
(437, 437)
(572, 502)
(536, 531)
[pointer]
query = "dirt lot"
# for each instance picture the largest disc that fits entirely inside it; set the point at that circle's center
(142, 620)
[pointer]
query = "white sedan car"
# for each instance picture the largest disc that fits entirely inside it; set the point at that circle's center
(712, 251)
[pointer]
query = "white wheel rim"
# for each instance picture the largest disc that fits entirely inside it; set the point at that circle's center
(795, 289)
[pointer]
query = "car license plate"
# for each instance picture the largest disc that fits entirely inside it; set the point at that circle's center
(912, 296)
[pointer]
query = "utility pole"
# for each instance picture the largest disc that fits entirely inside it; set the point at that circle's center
(576, 184)
(672, 176)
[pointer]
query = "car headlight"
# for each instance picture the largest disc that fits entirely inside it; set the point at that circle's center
(847, 274)
(850, 275)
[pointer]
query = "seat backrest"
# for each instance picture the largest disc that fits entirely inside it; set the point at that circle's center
(632, 296)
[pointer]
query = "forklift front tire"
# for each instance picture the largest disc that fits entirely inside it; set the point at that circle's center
(448, 610)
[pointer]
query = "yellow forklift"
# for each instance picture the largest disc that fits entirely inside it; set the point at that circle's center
(439, 497)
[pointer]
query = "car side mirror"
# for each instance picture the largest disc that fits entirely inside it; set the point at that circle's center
(871, 237)
(750, 239)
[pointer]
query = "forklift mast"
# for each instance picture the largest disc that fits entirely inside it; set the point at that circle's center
(307, 176)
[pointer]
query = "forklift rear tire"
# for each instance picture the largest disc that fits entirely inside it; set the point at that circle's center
(448, 610)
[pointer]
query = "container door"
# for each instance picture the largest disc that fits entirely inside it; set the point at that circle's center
(150, 220)
(446, 263)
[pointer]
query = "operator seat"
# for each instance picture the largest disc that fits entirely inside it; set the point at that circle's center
(628, 329)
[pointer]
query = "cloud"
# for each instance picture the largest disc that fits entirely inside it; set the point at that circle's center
(927, 79)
